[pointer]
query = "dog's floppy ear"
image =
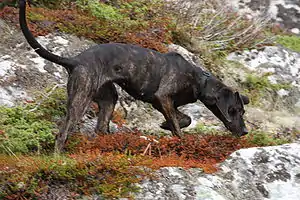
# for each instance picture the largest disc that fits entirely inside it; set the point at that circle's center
(245, 99)
(238, 98)
(223, 102)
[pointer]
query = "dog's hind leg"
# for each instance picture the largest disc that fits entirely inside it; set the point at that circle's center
(79, 99)
(106, 99)
(183, 120)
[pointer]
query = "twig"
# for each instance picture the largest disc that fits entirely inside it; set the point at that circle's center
(148, 147)
(10, 151)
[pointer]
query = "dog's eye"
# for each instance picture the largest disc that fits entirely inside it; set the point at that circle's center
(240, 111)
(117, 68)
(232, 111)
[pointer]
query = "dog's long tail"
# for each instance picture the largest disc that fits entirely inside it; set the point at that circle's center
(68, 63)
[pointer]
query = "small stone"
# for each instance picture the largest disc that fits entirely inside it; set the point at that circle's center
(295, 30)
(262, 190)
(5, 57)
(283, 92)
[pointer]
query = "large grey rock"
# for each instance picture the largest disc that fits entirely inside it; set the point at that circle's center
(282, 63)
(279, 109)
(256, 173)
(284, 68)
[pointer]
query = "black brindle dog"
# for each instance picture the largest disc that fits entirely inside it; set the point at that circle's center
(167, 81)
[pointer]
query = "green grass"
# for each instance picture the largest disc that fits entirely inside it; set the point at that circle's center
(290, 42)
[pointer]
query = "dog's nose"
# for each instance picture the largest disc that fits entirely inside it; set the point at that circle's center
(245, 131)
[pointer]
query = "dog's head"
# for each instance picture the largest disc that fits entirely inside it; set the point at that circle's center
(228, 106)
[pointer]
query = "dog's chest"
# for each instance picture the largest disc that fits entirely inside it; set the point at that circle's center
(142, 91)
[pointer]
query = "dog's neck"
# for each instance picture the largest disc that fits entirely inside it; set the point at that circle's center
(208, 85)
(203, 85)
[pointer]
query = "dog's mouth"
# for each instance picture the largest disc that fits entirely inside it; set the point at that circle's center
(235, 126)
(241, 132)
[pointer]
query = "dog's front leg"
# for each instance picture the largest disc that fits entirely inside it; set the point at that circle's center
(166, 107)
(183, 120)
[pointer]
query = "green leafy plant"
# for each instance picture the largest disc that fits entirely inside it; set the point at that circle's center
(262, 82)
(53, 105)
(204, 129)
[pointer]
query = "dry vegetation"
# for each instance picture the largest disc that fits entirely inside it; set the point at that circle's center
(221, 27)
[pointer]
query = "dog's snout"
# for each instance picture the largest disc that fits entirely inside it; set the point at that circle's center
(245, 131)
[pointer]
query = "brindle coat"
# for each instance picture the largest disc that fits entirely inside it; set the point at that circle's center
(166, 81)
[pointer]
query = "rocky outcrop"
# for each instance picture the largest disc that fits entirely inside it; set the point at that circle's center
(283, 66)
(256, 173)
(23, 72)
(284, 12)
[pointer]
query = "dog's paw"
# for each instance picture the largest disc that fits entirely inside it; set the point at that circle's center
(165, 126)
(184, 122)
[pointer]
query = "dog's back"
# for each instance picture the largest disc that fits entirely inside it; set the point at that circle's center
(137, 70)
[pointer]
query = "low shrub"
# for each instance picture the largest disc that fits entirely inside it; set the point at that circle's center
(212, 30)
(221, 27)
(30, 128)
(112, 176)
(23, 131)
(203, 148)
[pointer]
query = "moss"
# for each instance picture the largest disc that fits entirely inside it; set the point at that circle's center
(202, 128)
(100, 10)
(255, 86)
(264, 139)
(292, 42)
